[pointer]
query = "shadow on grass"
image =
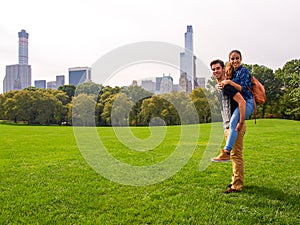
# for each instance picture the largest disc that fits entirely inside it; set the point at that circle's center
(272, 194)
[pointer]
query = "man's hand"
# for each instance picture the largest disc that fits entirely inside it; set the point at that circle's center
(220, 87)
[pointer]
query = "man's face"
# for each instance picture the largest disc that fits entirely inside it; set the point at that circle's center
(217, 70)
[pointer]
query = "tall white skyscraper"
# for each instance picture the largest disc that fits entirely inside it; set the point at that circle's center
(18, 76)
(188, 60)
(188, 39)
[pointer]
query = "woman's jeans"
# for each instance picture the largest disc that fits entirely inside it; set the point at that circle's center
(235, 118)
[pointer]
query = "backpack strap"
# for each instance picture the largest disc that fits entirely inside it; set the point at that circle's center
(254, 112)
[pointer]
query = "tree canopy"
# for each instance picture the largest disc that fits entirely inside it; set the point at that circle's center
(91, 103)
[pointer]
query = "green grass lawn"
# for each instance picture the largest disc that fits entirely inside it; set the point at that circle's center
(44, 179)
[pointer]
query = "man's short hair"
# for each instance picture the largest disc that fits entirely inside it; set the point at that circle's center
(217, 61)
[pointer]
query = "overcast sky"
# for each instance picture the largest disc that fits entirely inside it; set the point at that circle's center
(65, 34)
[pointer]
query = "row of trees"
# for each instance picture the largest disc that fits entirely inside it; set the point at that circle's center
(93, 104)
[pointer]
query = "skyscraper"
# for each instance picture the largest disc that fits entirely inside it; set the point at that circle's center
(188, 60)
(18, 76)
(188, 39)
(23, 47)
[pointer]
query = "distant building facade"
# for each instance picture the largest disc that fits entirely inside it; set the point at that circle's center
(18, 76)
(162, 85)
(134, 83)
(175, 87)
(60, 80)
(183, 83)
(166, 85)
(157, 85)
(149, 85)
(200, 82)
(40, 84)
(51, 84)
(78, 75)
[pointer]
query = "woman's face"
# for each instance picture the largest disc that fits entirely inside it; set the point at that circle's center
(235, 60)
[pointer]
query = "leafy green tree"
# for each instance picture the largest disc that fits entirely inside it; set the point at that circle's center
(9, 106)
(24, 106)
(120, 110)
(156, 109)
(107, 107)
(35, 105)
(47, 108)
(61, 110)
(211, 84)
(83, 110)
(2, 100)
(31, 88)
(89, 88)
(106, 97)
(290, 101)
(182, 109)
(69, 89)
(68, 120)
(200, 100)
(212, 97)
(151, 108)
(60, 95)
(136, 94)
(172, 107)
(272, 87)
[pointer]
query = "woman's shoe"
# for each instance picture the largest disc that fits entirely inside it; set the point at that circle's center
(222, 157)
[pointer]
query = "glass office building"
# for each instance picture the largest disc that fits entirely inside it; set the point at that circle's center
(78, 75)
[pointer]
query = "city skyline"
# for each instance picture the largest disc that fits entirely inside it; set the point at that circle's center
(79, 75)
(78, 34)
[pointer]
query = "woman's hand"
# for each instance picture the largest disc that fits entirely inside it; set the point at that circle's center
(224, 82)
(235, 85)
